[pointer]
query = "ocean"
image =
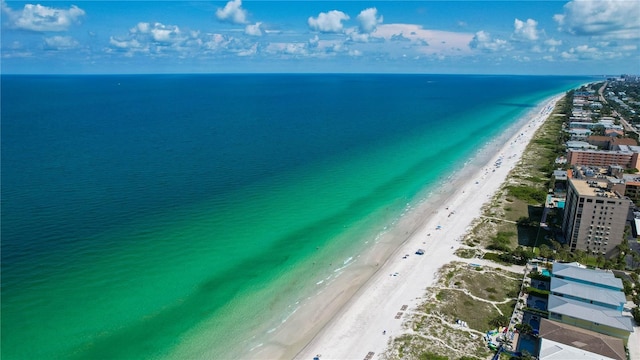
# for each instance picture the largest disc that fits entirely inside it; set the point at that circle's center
(173, 216)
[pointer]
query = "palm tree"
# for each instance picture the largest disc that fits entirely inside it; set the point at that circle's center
(635, 257)
(579, 255)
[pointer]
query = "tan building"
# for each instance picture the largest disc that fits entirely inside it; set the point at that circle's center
(610, 143)
(632, 188)
(627, 158)
(594, 217)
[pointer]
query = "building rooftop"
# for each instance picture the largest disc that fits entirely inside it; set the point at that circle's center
(595, 276)
(631, 178)
(629, 148)
(593, 188)
(551, 350)
(589, 312)
(574, 144)
(582, 339)
(580, 131)
(560, 174)
(588, 292)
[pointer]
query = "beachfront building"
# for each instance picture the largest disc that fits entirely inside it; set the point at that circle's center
(627, 156)
(589, 286)
(562, 341)
(590, 317)
(581, 315)
(579, 134)
(560, 183)
(585, 124)
(577, 144)
(589, 299)
(632, 187)
(595, 216)
(614, 133)
(610, 143)
(576, 273)
(552, 350)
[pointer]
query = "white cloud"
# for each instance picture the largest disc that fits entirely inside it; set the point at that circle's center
(292, 49)
(159, 40)
(17, 54)
(426, 41)
(520, 58)
(525, 29)
(616, 19)
(357, 36)
(369, 20)
(60, 43)
(127, 47)
(582, 52)
(159, 32)
(156, 39)
(483, 41)
(250, 51)
(329, 22)
(253, 30)
(553, 42)
(42, 18)
(232, 12)
(142, 27)
(216, 41)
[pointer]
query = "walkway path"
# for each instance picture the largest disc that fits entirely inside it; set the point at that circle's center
(499, 219)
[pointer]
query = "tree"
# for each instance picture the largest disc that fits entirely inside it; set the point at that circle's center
(499, 320)
(627, 287)
(546, 252)
(524, 328)
(579, 255)
(635, 259)
(608, 264)
(636, 314)
(563, 254)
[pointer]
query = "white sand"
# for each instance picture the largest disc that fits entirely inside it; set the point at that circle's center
(357, 328)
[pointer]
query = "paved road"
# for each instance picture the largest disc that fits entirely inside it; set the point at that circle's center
(625, 124)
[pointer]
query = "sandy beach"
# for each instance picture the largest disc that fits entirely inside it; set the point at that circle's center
(352, 321)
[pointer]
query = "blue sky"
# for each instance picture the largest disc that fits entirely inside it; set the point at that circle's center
(590, 37)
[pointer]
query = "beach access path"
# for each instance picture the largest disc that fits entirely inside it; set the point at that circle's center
(372, 317)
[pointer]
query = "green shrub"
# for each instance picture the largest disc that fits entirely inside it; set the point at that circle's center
(528, 194)
(432, 356)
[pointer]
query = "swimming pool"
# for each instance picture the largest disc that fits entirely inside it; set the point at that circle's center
(528, 343)
(545, 272)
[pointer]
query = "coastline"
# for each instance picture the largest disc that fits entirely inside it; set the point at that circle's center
(348, 320)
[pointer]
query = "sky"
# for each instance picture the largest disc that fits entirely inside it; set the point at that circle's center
(578, 37)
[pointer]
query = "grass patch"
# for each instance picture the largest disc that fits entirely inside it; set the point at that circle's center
(466, 253)
(528, 194)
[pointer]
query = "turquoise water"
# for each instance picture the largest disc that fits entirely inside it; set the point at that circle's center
(158, 216)
(545, 272)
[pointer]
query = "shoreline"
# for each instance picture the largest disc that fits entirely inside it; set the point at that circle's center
(351, 325)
